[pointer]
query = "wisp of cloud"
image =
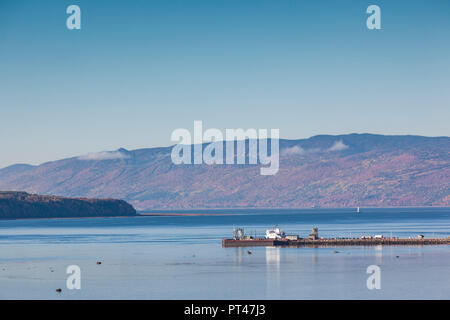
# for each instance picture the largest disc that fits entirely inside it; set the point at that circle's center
(105, 155)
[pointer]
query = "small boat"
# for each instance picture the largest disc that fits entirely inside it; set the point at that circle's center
(358, 210)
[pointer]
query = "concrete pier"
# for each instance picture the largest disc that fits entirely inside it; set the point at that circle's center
(262, 242)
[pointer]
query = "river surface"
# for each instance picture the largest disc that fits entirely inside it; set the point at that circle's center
(180, 257)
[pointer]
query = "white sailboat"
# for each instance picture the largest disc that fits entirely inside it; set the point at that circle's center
(357, 210)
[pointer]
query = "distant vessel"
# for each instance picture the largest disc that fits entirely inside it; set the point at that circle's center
(357, 210)
(274, 233)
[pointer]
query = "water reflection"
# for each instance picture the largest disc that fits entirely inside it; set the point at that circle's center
(379, 254)
(315, 257)
(237, 254)
(273, 259)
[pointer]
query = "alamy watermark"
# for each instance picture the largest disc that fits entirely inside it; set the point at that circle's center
(73, 281)
(208, 147)
(373, 22)
(374, 280)
(74, 20)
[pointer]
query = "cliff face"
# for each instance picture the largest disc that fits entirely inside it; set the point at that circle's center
(21, 205)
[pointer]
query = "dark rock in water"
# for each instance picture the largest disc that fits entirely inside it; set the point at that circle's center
(249, 252)
(99, 262)
(58, 290)
(21, 205)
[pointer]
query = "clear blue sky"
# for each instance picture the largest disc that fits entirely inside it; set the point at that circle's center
(140, 69)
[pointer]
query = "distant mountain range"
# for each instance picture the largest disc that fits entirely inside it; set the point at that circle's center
(325, 171)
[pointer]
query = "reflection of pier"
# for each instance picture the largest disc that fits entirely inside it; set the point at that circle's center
(261, 242)
(273, 272)
(273, 256)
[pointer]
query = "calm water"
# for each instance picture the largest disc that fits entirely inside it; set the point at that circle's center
(181, 257)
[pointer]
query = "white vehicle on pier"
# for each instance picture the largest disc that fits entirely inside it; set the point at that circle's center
(275, 233)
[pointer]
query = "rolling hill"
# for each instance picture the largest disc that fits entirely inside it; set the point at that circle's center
(327, 171)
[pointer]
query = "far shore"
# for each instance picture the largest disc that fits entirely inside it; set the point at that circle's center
(68, 218)
(198, 212)
(169, 214)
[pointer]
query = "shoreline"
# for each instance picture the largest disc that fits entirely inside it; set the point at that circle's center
(65, 218)
(282, 208)
(213, 212)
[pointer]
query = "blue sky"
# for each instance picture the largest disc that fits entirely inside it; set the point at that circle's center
(137, 70)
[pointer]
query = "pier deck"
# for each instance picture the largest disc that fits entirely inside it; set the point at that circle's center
(261, 242)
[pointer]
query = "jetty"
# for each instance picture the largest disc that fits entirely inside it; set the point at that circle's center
(275, 237)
